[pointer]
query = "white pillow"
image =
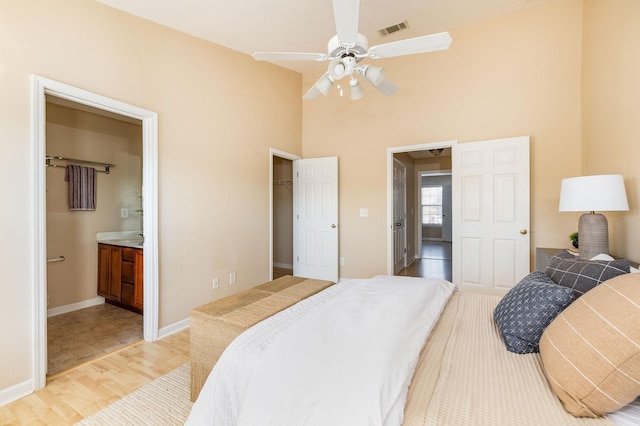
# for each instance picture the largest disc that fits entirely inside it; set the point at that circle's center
(602, 256)
(633, 270)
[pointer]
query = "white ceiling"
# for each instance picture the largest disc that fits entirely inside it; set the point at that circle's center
(306, 25)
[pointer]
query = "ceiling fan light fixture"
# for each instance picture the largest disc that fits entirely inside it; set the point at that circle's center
(324, 84)
(374, 75)
(337, 69)
(357, 91)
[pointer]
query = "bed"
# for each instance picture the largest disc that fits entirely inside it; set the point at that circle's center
(456, 371)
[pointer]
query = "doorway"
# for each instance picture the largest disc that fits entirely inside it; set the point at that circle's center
(93, 185)
(417, 160)
(41, 88)
(314, 198)
(282, 223)
(281, 192)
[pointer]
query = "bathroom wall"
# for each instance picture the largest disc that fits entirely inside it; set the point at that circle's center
(84, 135)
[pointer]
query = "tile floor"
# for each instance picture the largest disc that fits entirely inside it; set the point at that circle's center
(86, 334)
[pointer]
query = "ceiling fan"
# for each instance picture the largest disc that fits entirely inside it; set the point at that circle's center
(348, 47)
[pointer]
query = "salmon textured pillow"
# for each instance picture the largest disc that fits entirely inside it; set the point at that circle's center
(591, 351)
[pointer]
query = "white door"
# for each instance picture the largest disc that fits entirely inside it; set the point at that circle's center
(315, 232)
(491, 214)
(399, 216)
(447, 217)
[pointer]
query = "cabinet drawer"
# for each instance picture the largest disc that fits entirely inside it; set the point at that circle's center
(129, 254)
(127, 294)
(128, 272)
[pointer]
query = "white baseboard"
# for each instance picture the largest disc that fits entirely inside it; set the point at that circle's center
(283, 265)
(173, 328)
(99, 300)
(15, 392)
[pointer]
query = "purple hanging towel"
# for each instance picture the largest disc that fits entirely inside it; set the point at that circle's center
(82, 187)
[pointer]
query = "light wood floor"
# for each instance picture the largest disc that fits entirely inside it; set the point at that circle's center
(78, 393)
(281, 272)
(435, 262)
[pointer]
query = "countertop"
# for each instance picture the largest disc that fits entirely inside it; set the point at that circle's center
(132, 239)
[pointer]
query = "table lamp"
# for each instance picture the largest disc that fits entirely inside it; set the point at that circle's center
(591, 194)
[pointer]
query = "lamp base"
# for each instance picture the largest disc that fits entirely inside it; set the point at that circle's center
(593, 234)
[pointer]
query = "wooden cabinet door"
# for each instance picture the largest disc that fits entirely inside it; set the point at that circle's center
(138, 289)
(103, 270)
(115, 273)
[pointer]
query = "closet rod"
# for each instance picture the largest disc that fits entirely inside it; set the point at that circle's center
(106, 166)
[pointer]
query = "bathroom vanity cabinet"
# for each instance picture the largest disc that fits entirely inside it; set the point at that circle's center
(120, 277)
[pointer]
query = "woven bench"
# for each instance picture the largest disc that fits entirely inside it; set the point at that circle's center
(216, 324)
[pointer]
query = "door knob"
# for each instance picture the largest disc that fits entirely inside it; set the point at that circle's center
(398, 224)
(523, 231)
(333, 225)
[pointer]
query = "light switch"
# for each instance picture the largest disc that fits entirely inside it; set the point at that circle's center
(124, 212)
(364, 212)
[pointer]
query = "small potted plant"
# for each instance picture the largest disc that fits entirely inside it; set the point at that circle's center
(574, 239)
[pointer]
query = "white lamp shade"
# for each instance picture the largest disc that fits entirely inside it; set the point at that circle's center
(356, 90)
(324, 84)
(593, 193)
(374, 75)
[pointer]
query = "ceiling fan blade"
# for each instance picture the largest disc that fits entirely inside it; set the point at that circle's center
(289, 56)
(311, 93)
(346, 13)
(428, 43)
(386, 87)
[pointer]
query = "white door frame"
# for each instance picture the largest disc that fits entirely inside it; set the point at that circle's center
(288, 156)
(390, 152)
(40, 87)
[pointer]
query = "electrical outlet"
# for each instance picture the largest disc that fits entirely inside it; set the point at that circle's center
(124, 212)
(215, 283)
(342, 261)
(232, 278)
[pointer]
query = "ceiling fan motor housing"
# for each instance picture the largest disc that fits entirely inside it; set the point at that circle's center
(336, 49)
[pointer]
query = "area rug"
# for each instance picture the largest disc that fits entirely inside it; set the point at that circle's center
(164, 401)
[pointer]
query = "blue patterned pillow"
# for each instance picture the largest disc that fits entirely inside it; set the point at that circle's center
(527, 309)
(583, 275)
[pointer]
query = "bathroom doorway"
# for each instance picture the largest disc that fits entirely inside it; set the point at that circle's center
(104, 195)
(41, 88)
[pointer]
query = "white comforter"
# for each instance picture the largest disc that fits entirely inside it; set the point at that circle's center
(345, 356)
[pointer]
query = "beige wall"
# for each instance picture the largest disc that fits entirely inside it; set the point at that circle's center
(77, 134)
(217, 120)
(511, 76)
(611, 109)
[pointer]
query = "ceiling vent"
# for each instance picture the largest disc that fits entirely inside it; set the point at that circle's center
(393, 28)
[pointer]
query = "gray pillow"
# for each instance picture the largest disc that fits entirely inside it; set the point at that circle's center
(527, 309)
(583, 275)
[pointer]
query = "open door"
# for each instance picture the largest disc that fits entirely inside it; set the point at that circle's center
(399, 216)
(315, 232)
(491, 214)
(447, 214)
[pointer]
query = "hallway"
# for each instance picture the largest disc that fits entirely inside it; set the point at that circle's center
(435, 262)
